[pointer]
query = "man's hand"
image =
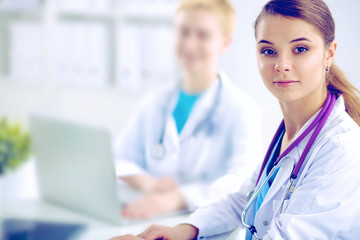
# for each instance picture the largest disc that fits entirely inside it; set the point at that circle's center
(148, 184)
(142, 182)
(164, 184)
(155, 204)
(162, 196)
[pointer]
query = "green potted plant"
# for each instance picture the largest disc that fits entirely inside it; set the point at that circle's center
(14, 150)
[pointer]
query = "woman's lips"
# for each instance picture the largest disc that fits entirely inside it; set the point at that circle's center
(285, 83)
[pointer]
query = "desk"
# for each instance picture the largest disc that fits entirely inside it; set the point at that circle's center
(96, 230)
(39, 210)
(24, 203)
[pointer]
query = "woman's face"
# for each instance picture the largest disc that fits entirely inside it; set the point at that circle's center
(200, 40)
(292, 57)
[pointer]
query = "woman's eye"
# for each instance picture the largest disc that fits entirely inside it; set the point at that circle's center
(298, 50)
(268, 52)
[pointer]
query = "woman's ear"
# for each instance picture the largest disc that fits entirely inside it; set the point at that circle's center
(227, 42)
(330, 54)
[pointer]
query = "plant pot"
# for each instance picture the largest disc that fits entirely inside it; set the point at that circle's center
(2, 193)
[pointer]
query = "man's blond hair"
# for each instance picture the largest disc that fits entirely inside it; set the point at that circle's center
(224, 8)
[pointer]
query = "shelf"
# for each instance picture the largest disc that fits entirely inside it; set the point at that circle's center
(87, 15)
(147, 17)
(108, 15)
(12, 12)
(116, 15)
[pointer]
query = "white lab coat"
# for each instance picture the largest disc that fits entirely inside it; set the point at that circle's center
(196, 161)
(325, 202)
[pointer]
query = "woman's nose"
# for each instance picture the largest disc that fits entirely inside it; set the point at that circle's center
(282, 65)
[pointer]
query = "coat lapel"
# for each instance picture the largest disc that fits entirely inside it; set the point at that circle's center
(281, 179)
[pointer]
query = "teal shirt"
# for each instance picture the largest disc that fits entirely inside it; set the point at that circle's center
(273, 157)
(183, 108)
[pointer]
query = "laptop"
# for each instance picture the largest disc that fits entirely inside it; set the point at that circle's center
(75, 167)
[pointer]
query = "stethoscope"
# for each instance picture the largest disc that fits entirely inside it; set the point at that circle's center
(158, 151)
(319, 122)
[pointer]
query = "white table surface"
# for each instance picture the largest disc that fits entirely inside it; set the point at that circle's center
(24, 203)
(96, 229)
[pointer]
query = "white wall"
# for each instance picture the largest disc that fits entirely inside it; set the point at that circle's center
(347, 19)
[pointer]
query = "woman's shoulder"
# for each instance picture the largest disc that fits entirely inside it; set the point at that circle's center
(342, 137)
(347, 134)
(341, 126)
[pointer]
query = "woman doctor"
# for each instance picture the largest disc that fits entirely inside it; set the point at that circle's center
(308, 185)
(186, 136)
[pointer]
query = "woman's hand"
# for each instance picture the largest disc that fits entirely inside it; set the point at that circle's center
(180, 232)
(127, 237)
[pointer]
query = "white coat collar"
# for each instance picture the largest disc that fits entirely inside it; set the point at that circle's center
(338, 108)
(202, 107)
(289, 161)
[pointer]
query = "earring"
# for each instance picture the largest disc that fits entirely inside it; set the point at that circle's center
(328, 68)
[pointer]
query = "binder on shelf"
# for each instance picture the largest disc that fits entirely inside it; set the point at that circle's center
(128, 57)
(158, 58)
(82, 54)
(166, 61)
(26, 57)
(145, 56)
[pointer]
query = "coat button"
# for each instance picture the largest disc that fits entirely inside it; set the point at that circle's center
(265, 223)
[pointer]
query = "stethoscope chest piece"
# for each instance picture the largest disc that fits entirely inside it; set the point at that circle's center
(158, 151)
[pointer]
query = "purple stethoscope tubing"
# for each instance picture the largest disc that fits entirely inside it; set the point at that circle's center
(319, 121)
